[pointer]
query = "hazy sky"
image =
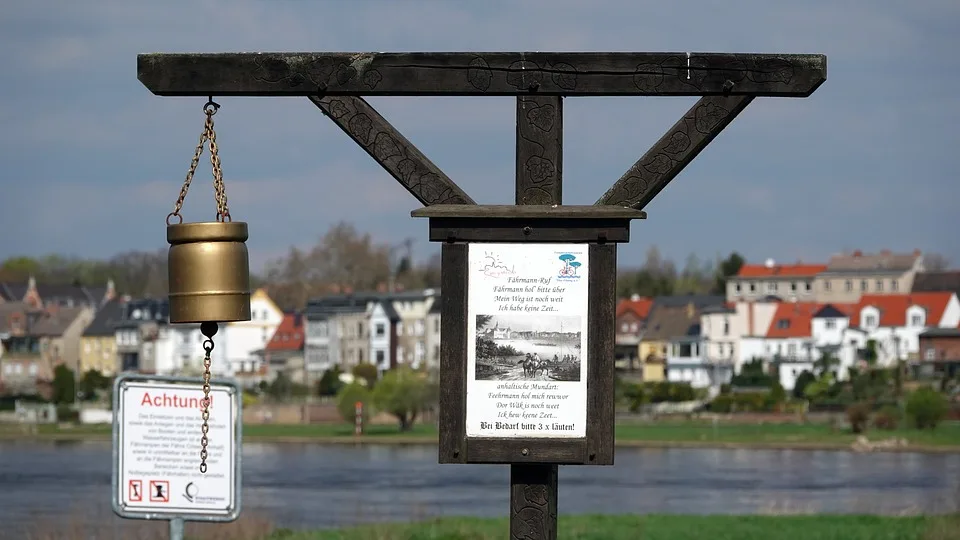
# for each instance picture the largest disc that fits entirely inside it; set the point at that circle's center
(91, 162)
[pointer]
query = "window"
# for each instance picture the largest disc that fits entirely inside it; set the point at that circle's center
(736, 286)
(793, 286)
(848, 285)
(418, 327)
(879, 285)
(930, 354)
(870, 321)
(863, 285)
(753, 287)
(772, 286)
(726, 327)
(894, 285)
(827, 286)
(624, 327)
(381, 355)
(380, 329)
(436, 325)
(916, 320)
(808, 286)
(830, 324)
(783, 324)
(791, 349)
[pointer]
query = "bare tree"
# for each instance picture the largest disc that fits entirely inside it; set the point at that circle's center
(935, 262)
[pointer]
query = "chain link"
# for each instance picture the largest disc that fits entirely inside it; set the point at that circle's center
(209, 135)
(205, 414)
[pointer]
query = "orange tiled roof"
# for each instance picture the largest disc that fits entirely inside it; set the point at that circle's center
(289, 335)
(640, 307)
(793, 320)
(780, 270)
(893, 307)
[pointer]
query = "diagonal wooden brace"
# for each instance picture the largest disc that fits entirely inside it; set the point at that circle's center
(391, 150)
(674, 151)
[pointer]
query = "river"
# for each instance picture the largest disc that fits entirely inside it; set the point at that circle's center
(313, 485)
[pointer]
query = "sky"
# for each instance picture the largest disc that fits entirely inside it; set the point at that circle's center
(91, 162)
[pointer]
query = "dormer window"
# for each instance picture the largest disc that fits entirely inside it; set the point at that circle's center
(870, 321)
(830, 324)
(783, 324)
(916, 319)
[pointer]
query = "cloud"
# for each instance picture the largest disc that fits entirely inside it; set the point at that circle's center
(91, 161)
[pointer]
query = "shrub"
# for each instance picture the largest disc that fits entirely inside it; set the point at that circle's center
(803, 380)
(887, 418)
(858, 415)
(366, 371)
(926, 408)
(347, 401)
(66, 413)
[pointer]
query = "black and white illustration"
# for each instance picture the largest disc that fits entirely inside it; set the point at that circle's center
(528, 347)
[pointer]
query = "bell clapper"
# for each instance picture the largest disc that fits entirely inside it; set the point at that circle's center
(208, 329)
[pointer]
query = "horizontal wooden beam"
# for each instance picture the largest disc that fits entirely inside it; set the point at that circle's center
(528, 211)
(388, 147)
(481, 73)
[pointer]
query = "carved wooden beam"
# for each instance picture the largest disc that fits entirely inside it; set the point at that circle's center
(483, 73)
(674, 151)
(539, 150)
(391, 150)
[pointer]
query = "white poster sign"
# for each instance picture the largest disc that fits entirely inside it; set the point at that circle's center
(157, 441)
(527, 340)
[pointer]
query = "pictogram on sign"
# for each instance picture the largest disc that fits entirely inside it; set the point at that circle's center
(135, 490)
(159, 491)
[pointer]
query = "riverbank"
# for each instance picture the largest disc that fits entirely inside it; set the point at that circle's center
(661, 434)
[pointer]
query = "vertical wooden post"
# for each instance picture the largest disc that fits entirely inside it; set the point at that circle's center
(533, 486)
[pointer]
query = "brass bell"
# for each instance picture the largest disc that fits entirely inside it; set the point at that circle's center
(209, 272)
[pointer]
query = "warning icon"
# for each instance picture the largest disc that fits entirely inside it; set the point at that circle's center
(159, 491)
(135, 490)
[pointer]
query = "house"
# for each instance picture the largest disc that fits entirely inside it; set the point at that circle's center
(726, 326)
(39, 295)
(412, 307)
(238, 341)
(946, 281)
(98, 344)
(336, 331)
(148, 343)
(38, 340)
(673, 339)
(383, 335)
(940, 352)
(786, 281)
(631, 314)
(894, 322)
(850, 276)
(283, 352)
(433, 334)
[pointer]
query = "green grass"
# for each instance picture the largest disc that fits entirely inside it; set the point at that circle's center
(677, 432)
(663, 527)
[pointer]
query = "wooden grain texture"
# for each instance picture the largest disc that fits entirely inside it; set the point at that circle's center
(388, 147)
(525, 210)
(674, 151)
(533, 502)
(539, 150)
(481, 73)
(565, 451)
(601, 371)
(453, 354)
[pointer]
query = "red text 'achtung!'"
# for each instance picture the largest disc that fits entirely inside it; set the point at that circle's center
(175, 401)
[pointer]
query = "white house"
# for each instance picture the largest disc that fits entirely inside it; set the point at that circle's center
(238, 342)
(148, 343)
(433, 334)
(383, 335)
(894, 322)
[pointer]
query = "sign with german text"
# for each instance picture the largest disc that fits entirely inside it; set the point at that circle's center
(157, 434)
(527, 340)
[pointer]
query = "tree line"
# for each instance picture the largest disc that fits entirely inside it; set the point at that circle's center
(345, 259)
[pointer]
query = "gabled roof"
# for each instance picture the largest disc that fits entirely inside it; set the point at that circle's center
(54, 322)
(289, 336)
(893, 307)
(780, 270)
(107, 317)
(639, 306)
(885, 261)
(13, 292)
(833, 311)
(793, 320)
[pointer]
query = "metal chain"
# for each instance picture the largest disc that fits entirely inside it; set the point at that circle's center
(205, 427)
(220, 193)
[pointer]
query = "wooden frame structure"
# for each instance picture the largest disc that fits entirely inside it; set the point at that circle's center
(539, 81)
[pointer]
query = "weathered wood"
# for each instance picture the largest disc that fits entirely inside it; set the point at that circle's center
(397, 155)
(601, 371)
(528, 211)
(452, 407)
(674, 151)
(539, 150)
(565, 451)
(481, 73)
(533, 502)
(530, 230)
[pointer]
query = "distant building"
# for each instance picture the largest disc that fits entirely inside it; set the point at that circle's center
(850, 276)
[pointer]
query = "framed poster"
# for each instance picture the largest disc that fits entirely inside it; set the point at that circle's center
(527, 348)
